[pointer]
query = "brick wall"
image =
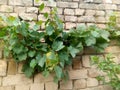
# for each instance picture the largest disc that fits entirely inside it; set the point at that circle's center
(72, 12)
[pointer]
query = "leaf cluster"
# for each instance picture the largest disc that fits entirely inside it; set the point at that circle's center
(50, 50)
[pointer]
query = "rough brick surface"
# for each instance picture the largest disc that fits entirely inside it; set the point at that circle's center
(3, 68)
(22, 87)
(51, 86)
(3, 1)
(66, 85)
(7, 88)
(12, 68)
(37, 86)
(79, 84)
(92, 82)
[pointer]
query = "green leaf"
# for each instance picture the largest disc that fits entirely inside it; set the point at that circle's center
(57, 45)
(28, 71)
(58, 72)
(42, 61)
(31, 53)
(90, 41)
(46, 15)
(95, 33)
(33, 63)
(41, 7)
(73, 51)
(45, 73)
(22, 57)
(49, 30)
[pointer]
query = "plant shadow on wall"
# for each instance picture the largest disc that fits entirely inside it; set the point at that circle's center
(50, 50)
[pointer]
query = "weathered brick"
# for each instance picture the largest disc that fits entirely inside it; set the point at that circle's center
(32, 10)
(26, 16)
(112, 49)
(20, 65)
(1, 54)
(93, 72)
(100, 7)
(47, 3)
(77, 63)
(21, 2)
(19, 9)
(86, 19)
(37, 86)
(101, 26)
(86, 61)
(116, 1)
(100, 20)
(90, 12)
(18, 79)
(0, 81)
(41, 17)
(3, 1)
(6, 8)
(39, 78)
(92, 82)
(22, 87)
(78, 84)
(67, 4)
(67, 85)
(107, 87)
(79, 11)
(78, 74)
(69, 11)
(60, 11)
(69, 25)
(108, 1)
(51, 86)
(100, 13)
(7, 88)
(71, 18)
(98, 1)
(3, 67)
(12, 68)
(87, 6)
(111, 6)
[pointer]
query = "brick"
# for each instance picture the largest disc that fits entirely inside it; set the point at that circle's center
(91, 82)
(60, 10)
(18, 79)
(100, 13)
(3, 67)
(67, 4)
(21, 2)
(103, 26)
(71, 18)
(67, 85)
(39, 78)
(37, 86)
(107, 87)
(69, 12)
(112, 49)
(79, 11)
(19, 9)
(86, 61)
(78, 74)
(84, 19)
(32, 10)
(0, 81)
(13, 14)
(6, 8)
(47, 3)
(51, 86)
(100, 19)
(98, 1)
(93, 72)
(41, 17)
(79, 84)
(69, 25)
(26, 16)
(7, 88)
(111, 6)
(22, 87)
(1, 54)
(77, 63)
(90, 12)
(3, 1)
(108, 1)
(100, 7)
(89, 50)
(46, 10)
(12, 68)
(116, 1)
(20, 65)
(87, 6)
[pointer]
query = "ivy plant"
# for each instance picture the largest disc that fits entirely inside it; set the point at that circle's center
(111, 68)
(50, 50)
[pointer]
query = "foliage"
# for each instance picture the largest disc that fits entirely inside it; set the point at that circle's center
(51, 50)
(108, 66)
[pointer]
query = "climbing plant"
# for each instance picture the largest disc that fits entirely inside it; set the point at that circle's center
(50, 50)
